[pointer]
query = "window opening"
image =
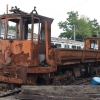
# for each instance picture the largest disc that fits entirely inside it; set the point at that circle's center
(74, 47)
(11, 31)
(2, 30)
(78, 47)
(58, 45)
(66, 46)
(93, 44)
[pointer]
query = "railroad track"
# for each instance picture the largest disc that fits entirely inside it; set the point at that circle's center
(10, 92)
(7, 91)
(70, 92)
(85, 81)
(78, 81)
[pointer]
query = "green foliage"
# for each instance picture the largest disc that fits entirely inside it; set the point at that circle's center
(12, 28)
(29, 30)
(84, 27)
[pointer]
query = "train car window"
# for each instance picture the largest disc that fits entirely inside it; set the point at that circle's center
(11, 28)
(52, 43)
(73, 46)
(2, 23)
(66, 46)
(58, 45)
(27, 28)
(93, 44)
(78, 47)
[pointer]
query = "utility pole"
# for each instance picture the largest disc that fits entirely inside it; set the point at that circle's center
(7, 9)
(74, 34)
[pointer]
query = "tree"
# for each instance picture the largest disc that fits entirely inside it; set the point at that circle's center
(83, 26)
(96, 26)
(12, 28)
(68, 25)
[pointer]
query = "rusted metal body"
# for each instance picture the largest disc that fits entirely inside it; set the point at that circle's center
(69, 56)
(24, 60)
(20, 56)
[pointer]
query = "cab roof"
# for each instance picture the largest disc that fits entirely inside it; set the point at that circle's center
(16, 12)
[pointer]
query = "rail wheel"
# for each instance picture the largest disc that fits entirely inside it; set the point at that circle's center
(63, 79)
(31, 79)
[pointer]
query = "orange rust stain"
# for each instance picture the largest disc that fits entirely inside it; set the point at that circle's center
(19, 51)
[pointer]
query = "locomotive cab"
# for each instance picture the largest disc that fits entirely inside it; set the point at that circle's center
(21, 52)
(25, 23)
(92, 43)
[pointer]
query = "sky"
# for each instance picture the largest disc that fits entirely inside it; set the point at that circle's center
(56, 9)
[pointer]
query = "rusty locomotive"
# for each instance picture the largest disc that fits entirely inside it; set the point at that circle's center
(30, 61)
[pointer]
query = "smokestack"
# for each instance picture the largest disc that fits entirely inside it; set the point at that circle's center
(7, 9)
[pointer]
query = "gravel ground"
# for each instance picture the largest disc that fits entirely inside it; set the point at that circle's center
(11, 96)
(8, 98)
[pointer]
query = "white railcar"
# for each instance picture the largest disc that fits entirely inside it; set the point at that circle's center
(70, 45)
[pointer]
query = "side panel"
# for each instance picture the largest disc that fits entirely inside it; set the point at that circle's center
(18, 52)
(69, 56)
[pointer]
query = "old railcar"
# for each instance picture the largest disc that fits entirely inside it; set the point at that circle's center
(30, 61)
